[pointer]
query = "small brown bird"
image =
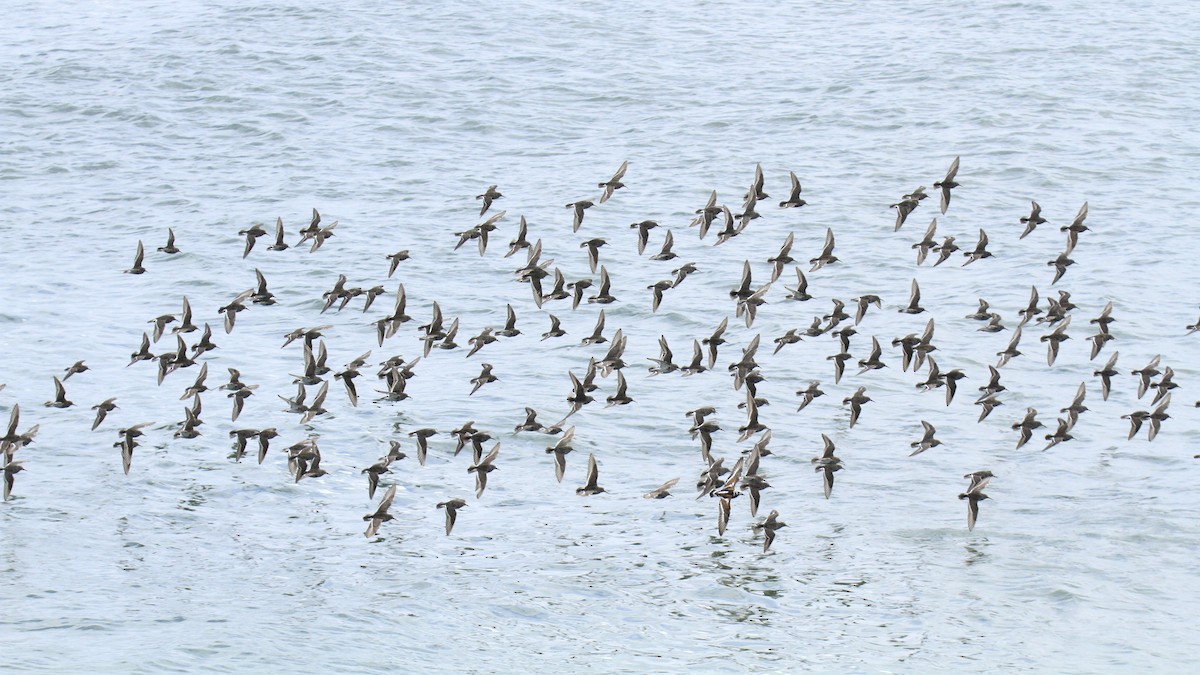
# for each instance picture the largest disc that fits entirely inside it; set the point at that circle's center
(662, 491)
(590, 487)
(381, 515)
(77, 367)
(452, 506)
(827, 463)
(974, 495)
(137, 260)
(482, 469)
(856, 401)
(947, 183)
(489, 195)
(60, 396)
(769, 526)
(613, 184)
(102, 409)
(11, 468)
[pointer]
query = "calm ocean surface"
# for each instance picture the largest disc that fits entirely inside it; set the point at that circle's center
(121, 119)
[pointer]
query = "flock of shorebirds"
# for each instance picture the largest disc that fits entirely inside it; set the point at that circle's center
(724, 484)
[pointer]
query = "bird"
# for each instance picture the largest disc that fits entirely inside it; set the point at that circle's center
(556, 329)
(947, 183)
(907, 205)
(791, 337)
(683, 272)
(663, 364)
(239, 397)
(1032, 220)
(1146, 373)
(579, 207)
(753, 483)
(170, 248)
(989, 402)
(604, 293)
(697, 364)
(643, 233)
(1054, 338)
(590, 486)
(489, 195)
(1062, 261)
(781, 259)
(809, 394)
(102, 409)
(482, 468)
(715, 340)
(380, 515)
(77, 367)
(827, 463)
(839, 365)
(800, 292)
(769, 526)
(1077, 407)
(826, 257)
(980, 252)
(621, 397)
(1010, 351)
(530, 423)
(1105, 318)
(666, 253)
(422, 436)
(198, 387)
(951, 378)
(1192, 328)
(793, 200)
(1157, 416)
(945, 250)
(60, 396)
(874, 361)
(993, 385)
(593, 251)
(378, 469)
(452, 506)
(485, 376)
(486, 337)
(1076, 225)
(662, 491)
(280, 244)
(927, 441)
(914, 300)
(11, 468)
(1026, 426)
(252, 234)
(658, 288)
(707, 214)
(927, 243)
(974, 495)
(613, 184)
(1105, 374)
(994, 324)
(756, 188)
(1061, 434)
(1164, 386)
(138, 258)
(560, 450)
(856, 401)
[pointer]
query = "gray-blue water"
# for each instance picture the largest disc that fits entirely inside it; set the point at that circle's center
(119, 120)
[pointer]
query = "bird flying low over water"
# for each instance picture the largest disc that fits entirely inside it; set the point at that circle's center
(613, 184)
(974, 495)
(946, 184)
(380, 515)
